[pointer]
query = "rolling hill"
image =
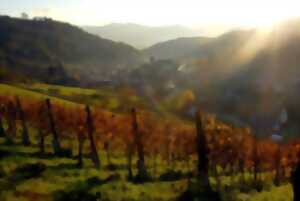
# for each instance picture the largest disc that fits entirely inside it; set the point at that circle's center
(41, 47)
(176, 48)
(140, 36)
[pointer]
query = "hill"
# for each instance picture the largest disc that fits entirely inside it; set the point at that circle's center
(253, 86)
(41, 47)
(176, 48)
(140, 36)
(205, 48)
(243, 75)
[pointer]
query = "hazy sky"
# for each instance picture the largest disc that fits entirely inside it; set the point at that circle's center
(195, 13)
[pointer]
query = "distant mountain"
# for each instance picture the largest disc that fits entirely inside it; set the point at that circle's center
(40, 47)
(140, 36)
(177, 48)
(194, 48)
(252, 76)
(246, 74)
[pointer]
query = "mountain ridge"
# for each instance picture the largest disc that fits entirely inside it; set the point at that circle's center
(140, 36)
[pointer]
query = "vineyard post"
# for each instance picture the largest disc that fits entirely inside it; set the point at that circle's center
(2, 131)
(241, 165)
(42, 141)
(255, 160)
(277, 164)
(25, 136)
(90, 129)
(142, 174)
(40, 130)
(202, 152)
(55, 140)
(155, 155)
(168, 146)
(278, 134)
(12, 127)
(11, 130)
(295, 180)
(129, 160)
(107, 150)
(80, 148)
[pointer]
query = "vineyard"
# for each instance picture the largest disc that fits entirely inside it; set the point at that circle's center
(145, 147)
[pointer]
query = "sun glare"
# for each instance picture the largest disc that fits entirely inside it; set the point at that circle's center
(192, 12)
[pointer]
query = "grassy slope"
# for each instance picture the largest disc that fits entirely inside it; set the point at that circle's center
(105, 98)
(10, 90)
(60, 173)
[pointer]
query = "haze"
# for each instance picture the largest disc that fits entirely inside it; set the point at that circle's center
(213, 15)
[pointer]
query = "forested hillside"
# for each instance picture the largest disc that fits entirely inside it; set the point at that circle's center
(41, 46)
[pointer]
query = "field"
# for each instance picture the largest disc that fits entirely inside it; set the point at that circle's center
(26, 174)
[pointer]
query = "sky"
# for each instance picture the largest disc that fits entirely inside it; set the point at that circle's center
(191, 13)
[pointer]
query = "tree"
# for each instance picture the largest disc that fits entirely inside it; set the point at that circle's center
(24, 16)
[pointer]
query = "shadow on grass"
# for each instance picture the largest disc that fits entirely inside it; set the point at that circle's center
(80, 190)
(22, 173)
(172, 175)
(63, 166)
(4, 153)
(114, 167)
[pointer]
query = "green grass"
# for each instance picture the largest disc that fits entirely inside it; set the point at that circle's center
(61, 175)
(62, 89)
(105, 97)
(282, 193)
(9, 90)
